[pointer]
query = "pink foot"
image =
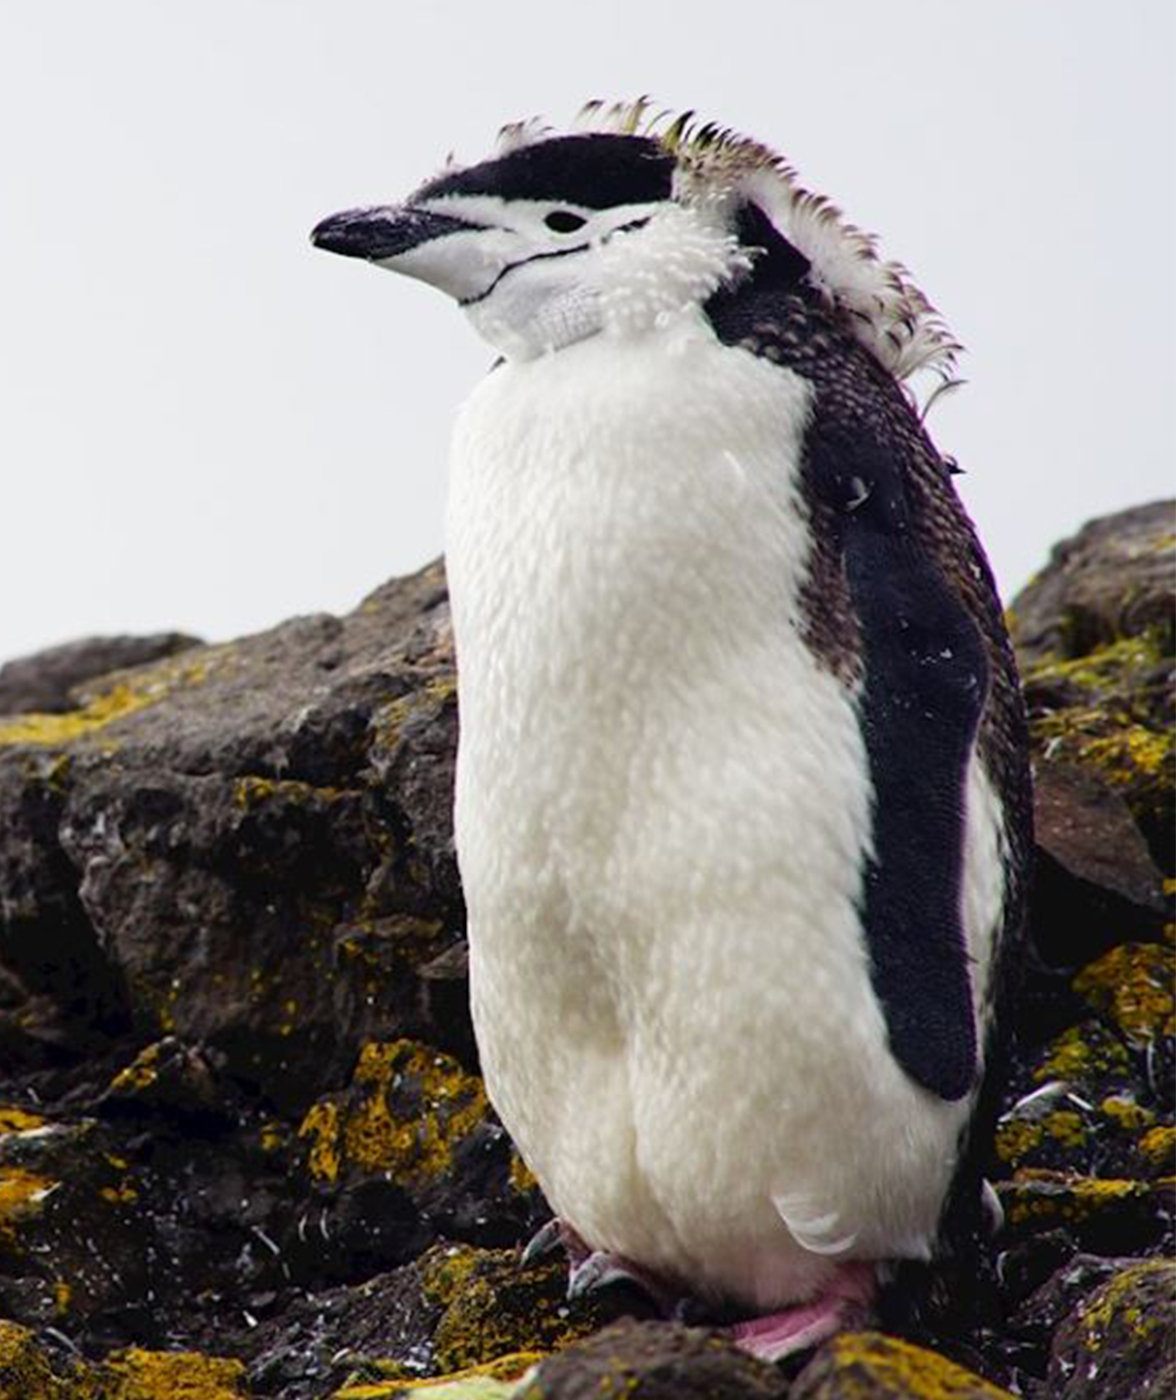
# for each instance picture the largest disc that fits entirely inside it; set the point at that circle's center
(844, 1302)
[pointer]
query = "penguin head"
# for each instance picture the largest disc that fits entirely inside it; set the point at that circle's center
(553, 240)
(624, 223)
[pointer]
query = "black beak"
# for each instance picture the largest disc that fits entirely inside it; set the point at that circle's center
(376, 234)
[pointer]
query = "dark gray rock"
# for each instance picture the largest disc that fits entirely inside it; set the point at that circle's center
(46, 681)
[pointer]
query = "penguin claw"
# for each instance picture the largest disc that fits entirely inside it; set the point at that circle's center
(546, 1240)
(598, 1270)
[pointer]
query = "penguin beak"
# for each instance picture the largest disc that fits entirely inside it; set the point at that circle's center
(384, 233)
(447, 252)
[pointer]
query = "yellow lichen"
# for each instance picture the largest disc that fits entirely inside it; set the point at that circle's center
(271, 1136)
(415, 1105)
(18, 1120)
(446, 1271)
(25, 1373)
(174, 1375)
(118, 702)
(321, 1125)
(489, 1309)
(495, 1380)
(1126, 1113)
(1159, 1145)
(120, 1195)
(389, 720)
(21, 1195)
(251, 792)
(868, 1362)
(1035, 1193)
(1112, 1306)
(1016, 1137)
(140, 1074)
(522, 1178)
(1133, 986)
(1066, 1127)
(1081, 1052)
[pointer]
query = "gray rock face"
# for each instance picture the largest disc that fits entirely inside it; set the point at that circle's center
(240, 1108)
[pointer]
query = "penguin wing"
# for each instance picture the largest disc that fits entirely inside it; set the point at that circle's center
(898, 602)
(924, 678)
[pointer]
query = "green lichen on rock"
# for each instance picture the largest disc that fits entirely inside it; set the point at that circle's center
(137, 1374)
(491, 1308)
(108, 703)
(496, 1380)
(25, 1373)
(877, 1367)
(1132, 986)
(1084, 1055)
(1117, 1342)
(408, 1109)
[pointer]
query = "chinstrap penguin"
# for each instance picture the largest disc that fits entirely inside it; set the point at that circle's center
(742, 799)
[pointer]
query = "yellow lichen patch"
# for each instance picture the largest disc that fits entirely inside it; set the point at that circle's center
(104, 703)
(21, 1195)
(1016, 1137)
(25, 1373)
(409, 1108)
(522, 1178)
(1114, 1305)
(1066, 1127)
(116, 703)
(1104, 667)
(18, 1120)
(321, 1125)
(1038, 1194)
(446, 1271)
(141, 1073)
(885, 1365)
(1133, 986)
(1159, 1146)
(1080, 1053)
(495, 1380)
(271, 1136)
(120, 1195)
(1126, 1113)
(174, 1375)
(492, 1309)
(388, 721)
(252, 792)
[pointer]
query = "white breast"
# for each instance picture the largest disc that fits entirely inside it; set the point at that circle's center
(662, 810)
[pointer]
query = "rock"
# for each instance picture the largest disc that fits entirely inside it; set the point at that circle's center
(454, 1308)
(654, 1361)
(45, 682)
(1095, 880)
(1094, 637)
(1117, 1343)
(241, 1119)
(870, 1366)
(1111, 580)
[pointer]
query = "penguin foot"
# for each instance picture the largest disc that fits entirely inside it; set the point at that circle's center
(592, 1269)
(844, 1303)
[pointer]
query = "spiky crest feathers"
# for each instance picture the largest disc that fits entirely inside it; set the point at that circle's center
(888, 312)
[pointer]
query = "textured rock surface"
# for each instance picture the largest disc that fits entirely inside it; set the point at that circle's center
(244, 1147)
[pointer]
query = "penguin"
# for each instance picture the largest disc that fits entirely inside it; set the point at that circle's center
(742, 803)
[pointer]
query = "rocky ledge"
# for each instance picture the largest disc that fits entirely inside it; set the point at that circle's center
(244, 1147)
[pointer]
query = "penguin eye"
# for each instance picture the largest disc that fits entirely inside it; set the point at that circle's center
(564, 221)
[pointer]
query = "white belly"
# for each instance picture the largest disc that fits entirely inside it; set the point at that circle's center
(662, 810)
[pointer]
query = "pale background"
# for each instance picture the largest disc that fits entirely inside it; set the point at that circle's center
(206, 425)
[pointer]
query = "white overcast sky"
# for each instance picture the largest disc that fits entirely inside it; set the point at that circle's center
(207, 425)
